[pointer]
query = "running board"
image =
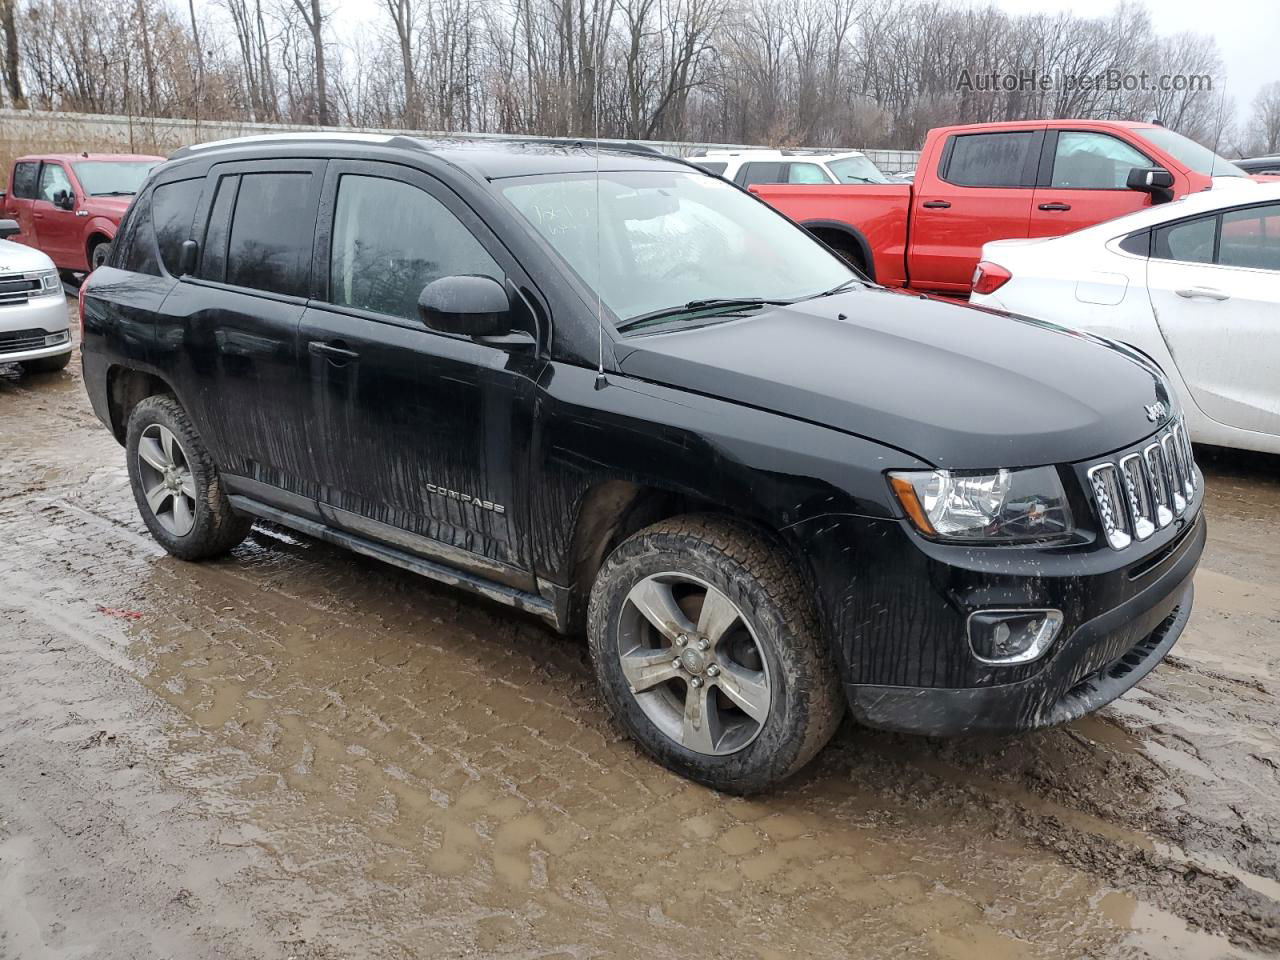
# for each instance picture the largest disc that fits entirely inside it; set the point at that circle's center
(528, 602)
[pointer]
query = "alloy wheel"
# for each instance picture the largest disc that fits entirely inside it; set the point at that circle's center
(167, 482)
(694, 664)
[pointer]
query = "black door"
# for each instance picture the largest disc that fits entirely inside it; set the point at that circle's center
(420, 437)
(231, 329)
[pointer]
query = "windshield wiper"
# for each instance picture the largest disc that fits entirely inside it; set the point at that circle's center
(700, 308)
(114, 193)
(836, 289)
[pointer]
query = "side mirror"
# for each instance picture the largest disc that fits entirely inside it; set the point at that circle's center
(470, 306)
(9, 228)
(188, 257)
(1149, 179)
(64, 199)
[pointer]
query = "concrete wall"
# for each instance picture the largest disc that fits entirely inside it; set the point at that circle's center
(23, 131)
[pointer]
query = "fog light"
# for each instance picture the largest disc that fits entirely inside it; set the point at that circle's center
(1012, 636)
(53, 339)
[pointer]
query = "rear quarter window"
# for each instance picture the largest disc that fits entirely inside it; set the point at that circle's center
(173, 210)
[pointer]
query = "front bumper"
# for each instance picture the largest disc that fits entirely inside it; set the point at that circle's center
(35, 329)
(1100, 660)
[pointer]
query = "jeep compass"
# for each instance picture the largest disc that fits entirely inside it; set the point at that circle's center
(622, 395)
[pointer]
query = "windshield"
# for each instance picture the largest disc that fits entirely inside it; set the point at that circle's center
(670, 238)
(856, 170)
(106, 178)
(1190, 154)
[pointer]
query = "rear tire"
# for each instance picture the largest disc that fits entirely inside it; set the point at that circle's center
(176, 485)
(708, 653)
(47, 364)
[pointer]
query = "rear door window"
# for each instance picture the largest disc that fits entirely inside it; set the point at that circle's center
(25, 176)
(993, 159)
(760, 172)
(1191, 241)
(272, 230)
(712, 166)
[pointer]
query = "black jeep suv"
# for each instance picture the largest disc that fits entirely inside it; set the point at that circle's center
(609, 389)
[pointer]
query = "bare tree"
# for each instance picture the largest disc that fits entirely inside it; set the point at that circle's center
(314, 19)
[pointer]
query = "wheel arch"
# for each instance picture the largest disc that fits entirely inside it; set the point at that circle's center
(840, 236)
(612, 510)
(126, 388)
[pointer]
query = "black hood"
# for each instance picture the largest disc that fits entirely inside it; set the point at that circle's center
(954, 385)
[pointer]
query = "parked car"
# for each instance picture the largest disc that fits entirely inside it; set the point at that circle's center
(70, 205)
(1194, 284)
(640, 404)
(34, 329)
(748, 167)
(991, 181)
(1260, 166)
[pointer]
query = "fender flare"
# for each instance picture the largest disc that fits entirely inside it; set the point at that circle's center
(853, 234)
(95, 227)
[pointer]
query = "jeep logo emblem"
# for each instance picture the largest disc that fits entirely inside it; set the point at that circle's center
(1156, 411)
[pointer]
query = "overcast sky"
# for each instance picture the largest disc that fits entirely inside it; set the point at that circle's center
(1247, 32)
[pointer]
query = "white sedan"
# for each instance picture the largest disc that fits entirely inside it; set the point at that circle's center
(1194, 284)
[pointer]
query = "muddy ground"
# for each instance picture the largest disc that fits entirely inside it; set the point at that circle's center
(297, 752)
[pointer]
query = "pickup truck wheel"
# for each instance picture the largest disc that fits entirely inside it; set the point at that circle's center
(98, 254)
(707, 650)
(176, 485)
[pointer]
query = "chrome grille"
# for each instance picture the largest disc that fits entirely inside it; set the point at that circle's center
(18, 287)
(1146, 490)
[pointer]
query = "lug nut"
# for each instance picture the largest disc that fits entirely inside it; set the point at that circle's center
(703, 644)
(713, 671)
(681, 640)
(675, 662)
(696, 681)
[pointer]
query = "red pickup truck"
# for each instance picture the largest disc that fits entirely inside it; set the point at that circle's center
(69, 205)
(992, 181)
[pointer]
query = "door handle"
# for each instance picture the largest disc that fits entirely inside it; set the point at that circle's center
(937, 204)
(1056, 206)
(1207, 293)
(335, 352)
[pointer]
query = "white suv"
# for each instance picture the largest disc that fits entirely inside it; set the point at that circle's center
(747, 167)
(33, 309)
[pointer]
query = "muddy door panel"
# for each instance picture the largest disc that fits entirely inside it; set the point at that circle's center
(413, 439)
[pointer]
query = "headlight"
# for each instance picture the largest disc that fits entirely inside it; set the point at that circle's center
(999, 505)
(50, 282)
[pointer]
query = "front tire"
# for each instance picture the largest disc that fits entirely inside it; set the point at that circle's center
(176, 485)
(98, 254)
(707, 649)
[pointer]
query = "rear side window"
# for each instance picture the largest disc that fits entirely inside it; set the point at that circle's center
(1191, 241)
(173, 210)
(391, 239)
(25, 176)
(134, 248)
(991, 159)
(269, 247)
(213, 257)
(759, 172)
(712, 166)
